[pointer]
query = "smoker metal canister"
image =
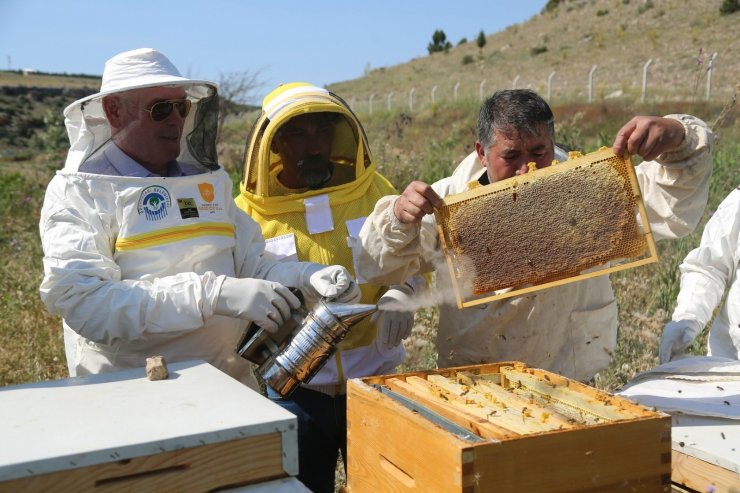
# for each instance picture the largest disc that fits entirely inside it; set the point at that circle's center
(321, 330)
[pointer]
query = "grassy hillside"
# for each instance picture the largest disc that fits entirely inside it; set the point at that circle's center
(619, 36)
(426, 144)
(10, 78)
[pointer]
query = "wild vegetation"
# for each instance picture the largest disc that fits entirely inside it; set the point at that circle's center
(425, 144)
(569, 38)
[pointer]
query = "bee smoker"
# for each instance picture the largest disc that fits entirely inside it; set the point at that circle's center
(302, 345)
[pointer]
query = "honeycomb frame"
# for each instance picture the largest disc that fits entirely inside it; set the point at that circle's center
(564, 223)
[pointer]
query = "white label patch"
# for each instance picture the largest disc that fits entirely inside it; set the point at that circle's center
(282, 247)
(353, 242)
(318, 214)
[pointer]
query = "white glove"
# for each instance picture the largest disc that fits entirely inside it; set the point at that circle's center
(333, 283)
(395, 316)
(677, 336)
(266, 303)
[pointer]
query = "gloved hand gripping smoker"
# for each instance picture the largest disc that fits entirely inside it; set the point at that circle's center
(302, 345)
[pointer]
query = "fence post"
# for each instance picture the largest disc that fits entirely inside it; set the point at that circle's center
(434, 89)
(411, 99)
(454, 90)
(710, 67)
(549, 86)
(390, 96)
(591, 83)
(516, 79)
(370, 104)
(480, 89)
(644, 78)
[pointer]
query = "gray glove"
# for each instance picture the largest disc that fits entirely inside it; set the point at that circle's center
(677, 336)
(332, 282)
(395, 317)
(266, 303)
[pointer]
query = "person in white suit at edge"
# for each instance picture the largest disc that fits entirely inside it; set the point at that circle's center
(709, 273)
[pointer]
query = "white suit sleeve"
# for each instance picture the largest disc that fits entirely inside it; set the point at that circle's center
(83, 283)
(707, 270)
(675, 186)
(393, 251)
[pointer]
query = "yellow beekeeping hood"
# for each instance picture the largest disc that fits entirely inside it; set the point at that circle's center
(349, 148)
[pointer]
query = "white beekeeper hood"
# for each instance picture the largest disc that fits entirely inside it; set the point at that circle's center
(88, 128)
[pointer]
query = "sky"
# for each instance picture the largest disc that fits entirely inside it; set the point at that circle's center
(320, 41)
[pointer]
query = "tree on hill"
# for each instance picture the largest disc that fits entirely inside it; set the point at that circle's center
(439, 42)
(551, 5)
(481, 41)
(236, 90)
(729, 7)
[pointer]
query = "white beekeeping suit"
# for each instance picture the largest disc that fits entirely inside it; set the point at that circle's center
(707, 273)
(138, 266)
(569, 329)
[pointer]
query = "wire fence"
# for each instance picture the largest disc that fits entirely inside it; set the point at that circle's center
(592, 86)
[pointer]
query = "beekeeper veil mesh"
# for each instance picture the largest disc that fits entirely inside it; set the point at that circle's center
(201, 140)
(88, 128)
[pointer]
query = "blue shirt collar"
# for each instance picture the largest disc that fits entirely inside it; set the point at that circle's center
(128, 167)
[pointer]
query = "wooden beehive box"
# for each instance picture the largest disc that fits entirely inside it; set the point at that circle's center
(198, 430)
(501, 428)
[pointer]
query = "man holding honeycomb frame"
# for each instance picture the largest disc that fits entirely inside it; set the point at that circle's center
(569, 329)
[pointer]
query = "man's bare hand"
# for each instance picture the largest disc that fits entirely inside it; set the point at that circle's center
(648, 136)
(418, 200)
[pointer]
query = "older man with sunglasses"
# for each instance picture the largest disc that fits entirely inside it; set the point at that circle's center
(145, 252)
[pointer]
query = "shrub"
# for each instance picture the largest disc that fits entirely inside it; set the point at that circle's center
(568, 132)
(53, 137)
(645, 6)
(729, 7)
(536, 50)
(467, 59)
(602, 13)
(551, 5)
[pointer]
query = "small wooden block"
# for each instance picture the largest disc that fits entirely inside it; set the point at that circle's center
(156, 368)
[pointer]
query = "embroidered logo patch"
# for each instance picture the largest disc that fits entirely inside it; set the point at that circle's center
(206, 191)
(209, 205)
(188, 208)
(154, 202)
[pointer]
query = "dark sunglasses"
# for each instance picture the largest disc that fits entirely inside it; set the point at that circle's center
(162, 109)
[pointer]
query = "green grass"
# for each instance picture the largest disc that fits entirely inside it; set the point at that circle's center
(30, 340)
(426, 145)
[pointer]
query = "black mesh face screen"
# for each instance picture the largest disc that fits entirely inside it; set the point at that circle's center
(249, 174)
(202, 140)
(368, 159)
